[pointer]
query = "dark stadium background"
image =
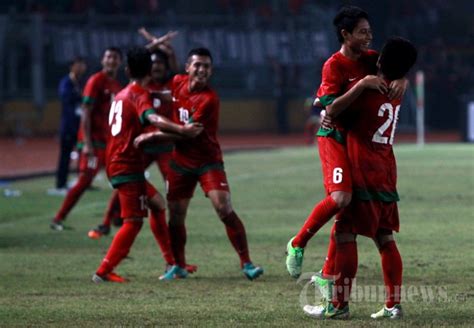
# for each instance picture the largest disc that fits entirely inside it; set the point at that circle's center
(268, 55)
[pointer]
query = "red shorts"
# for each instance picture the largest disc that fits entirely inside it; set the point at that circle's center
(366, 217)
(181, 186)
(92, 163)
(132, 197)
(335, 165)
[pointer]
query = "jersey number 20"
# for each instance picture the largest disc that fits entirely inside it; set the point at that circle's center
(115, 112)
(391, 120)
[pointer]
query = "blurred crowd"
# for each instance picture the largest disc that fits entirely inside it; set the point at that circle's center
(442, 30)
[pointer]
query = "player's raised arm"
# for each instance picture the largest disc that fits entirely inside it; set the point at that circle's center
(155, 42)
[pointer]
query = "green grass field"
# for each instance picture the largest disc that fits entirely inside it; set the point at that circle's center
(45, 275)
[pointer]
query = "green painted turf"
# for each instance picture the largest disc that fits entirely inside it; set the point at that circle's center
(45, 275)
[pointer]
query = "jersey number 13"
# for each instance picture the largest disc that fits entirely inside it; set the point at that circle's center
(115, 112)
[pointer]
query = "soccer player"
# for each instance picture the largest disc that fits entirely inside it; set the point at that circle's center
(373, 211)
(353, 62)
(160, 153)
(200, 160)
(130, 111)
(161, 76)
(97, 97)
(70, 95)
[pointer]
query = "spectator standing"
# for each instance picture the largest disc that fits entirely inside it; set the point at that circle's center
(70, 93)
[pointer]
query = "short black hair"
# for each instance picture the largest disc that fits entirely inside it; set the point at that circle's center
(347, 19)
(114, 49)
(159, 54)
(200, 52)
(77, 59)
(138, 62)
(397, 57)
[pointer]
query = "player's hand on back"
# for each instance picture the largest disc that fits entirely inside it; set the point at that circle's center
(192, 130)
(397, 88)
(326, 122)
(374, 82)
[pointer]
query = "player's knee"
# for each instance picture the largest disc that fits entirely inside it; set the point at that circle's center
(344, 237)
(342, 198)
(223, 209)
(177, 213)
(382, 238)
(136, 221)
(156, 203)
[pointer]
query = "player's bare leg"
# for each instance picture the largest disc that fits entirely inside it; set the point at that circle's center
(112, 214)
(177, 231)
(235, 229)
(118, 250)
(160, 230)
(392, 273)
(345, 268)
(320, 215)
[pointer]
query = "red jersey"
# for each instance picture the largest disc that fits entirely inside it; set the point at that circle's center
(99, 91)
(369, 146)
(125, 163)
(339, 71)
(162, 108)
(203, 107)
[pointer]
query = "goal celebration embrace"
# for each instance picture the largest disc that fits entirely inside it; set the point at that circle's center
(236, 163)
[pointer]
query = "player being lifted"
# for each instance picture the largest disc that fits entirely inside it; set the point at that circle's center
(200, 160)
(353, 62)
(373, 211)
(97, 97)
(131, 110)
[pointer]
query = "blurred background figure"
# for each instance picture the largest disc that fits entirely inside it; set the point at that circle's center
(70, 94)
(313, 121)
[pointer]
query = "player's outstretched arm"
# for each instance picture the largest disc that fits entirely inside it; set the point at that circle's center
(165, 125)
(343, 102)
(154, 136)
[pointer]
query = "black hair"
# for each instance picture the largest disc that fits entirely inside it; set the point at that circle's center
(200, 52)
(398, 55)
(159, 54)
(347, 19)
(77, 59)
(116, 50)
(138, 62)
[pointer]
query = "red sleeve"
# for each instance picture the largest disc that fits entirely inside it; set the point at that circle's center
(91, 90)
(144, 106)
(331, 83)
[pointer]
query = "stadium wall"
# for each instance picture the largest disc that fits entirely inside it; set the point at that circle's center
(21, 118)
